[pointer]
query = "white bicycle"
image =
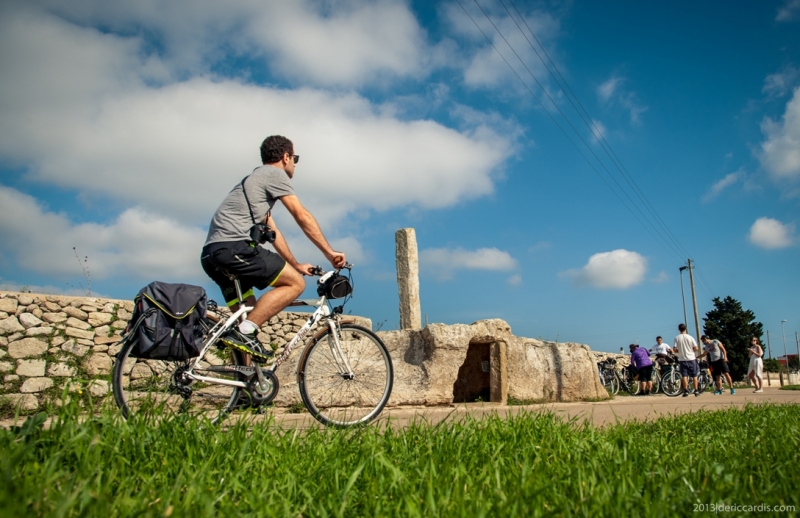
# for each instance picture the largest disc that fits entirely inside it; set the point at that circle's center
(344, 373)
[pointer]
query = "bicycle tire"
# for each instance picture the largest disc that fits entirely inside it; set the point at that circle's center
(703, 381)
(630, 385)
(656, 381)
(144, 386)
(671, 383)
(329, 396)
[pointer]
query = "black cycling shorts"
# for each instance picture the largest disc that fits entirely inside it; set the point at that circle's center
(254, 266)
(718, 368)
(645, 373)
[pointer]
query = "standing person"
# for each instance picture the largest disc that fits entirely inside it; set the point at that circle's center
(640, 360)
(756, 368)
(718, 360)
(231, 246)
(661, 352)
(685, 347)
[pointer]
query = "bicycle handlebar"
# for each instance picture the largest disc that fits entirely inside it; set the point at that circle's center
(318, 271)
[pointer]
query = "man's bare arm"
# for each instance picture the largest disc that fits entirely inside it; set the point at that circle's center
(305, 220)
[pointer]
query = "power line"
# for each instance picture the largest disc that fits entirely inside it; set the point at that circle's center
(666, 238)
(664, 242)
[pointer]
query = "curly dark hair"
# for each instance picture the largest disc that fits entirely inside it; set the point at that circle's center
(273, 148)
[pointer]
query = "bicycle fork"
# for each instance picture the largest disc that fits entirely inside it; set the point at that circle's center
(336, 350)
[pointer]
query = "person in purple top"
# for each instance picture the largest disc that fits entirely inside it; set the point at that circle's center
(640, 360)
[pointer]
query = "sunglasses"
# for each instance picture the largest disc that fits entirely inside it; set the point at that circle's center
(296, 158)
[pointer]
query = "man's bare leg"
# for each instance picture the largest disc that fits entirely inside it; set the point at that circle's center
(287, 288)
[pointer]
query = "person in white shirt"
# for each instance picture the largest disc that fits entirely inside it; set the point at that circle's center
(685, 347)
(661, 352)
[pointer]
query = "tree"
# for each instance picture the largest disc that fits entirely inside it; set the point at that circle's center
(734, 327)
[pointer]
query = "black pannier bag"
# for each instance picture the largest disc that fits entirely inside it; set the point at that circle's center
(336, 287)
(166, 321)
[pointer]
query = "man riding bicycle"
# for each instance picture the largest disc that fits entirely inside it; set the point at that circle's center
(238, 228)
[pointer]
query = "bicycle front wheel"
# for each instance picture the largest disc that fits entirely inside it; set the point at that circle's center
(671, 383)
(336, 396)
(160, 387)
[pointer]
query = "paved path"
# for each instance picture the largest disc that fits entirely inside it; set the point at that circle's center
(621, 408)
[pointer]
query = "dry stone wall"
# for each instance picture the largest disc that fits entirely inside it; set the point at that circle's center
(49, 343)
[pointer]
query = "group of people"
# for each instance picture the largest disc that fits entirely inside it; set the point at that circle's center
(686, 349)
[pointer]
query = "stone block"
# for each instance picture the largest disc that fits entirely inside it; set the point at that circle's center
(33, 385)
(77, 324)
(98, 388)
(27, 348)
(84, 341)
(36, 312)
(6, 367)
(24, 300)
(407, 261)
(71, 347)
(52, 307)
(109, 307)
(61, 370)
(76, 313)
(100, 348)
(128, 306)
(101, 331)
(99, 319)
(97, 364)
(10, 325)
(8, 305)
(8, 378)
(23, 402)
(14, 337)
(101, 340)
(119, 324)
(54, 318)
(3, 315)
(57, 341)
(31, 368)
(114, 350)
(3, 354)
(79, 333)
(123, 315)
(3, 341)
(39, 331)
(28, 321)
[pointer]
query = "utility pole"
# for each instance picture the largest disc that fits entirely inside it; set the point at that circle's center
(785, 354)
(694, 301)
(683, 295)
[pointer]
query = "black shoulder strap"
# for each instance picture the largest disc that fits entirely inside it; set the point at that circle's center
(249, 208)
(244, 191)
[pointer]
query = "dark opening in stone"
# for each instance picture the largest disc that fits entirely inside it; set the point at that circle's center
(473, 382)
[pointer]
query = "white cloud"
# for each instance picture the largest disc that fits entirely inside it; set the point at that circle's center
(445, 261)
(607, 89)
(598, 130)
(514, 280)
(485, 68)
(176, 149)
(618, 269)
(722, 184)
(612, 93)
(770, 233)
(780, 152)
(346, 43)
(788, 11)
(778, 84)
(661, 278)
(135, 245)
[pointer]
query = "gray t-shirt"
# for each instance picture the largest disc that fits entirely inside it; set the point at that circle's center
(714, 352)
(232, 220)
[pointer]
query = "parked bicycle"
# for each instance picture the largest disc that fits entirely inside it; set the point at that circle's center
(344, 373)
(608, 375)
(671, 379)
(704, 379)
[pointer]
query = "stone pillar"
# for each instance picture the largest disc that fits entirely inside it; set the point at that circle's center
(498, 373)
(408, 278)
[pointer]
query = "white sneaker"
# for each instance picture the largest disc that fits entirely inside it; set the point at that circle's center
(758, 391)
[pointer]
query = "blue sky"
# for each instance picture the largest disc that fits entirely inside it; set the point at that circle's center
(124, 125)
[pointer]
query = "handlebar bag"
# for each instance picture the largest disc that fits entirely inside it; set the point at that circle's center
(166, 321)
(336, 287)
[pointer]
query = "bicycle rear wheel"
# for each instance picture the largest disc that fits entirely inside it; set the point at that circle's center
(336, 398)
(671, 383)
(156, 386)
(656, 381)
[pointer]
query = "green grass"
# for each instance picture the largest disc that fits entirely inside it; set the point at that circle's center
(790, 387)
(527, 465)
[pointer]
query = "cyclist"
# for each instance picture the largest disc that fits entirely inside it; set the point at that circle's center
(231, 246)
(640, 360)
(685, 347)
(718, 361)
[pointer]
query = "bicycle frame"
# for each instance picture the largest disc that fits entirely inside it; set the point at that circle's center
(322, 312)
